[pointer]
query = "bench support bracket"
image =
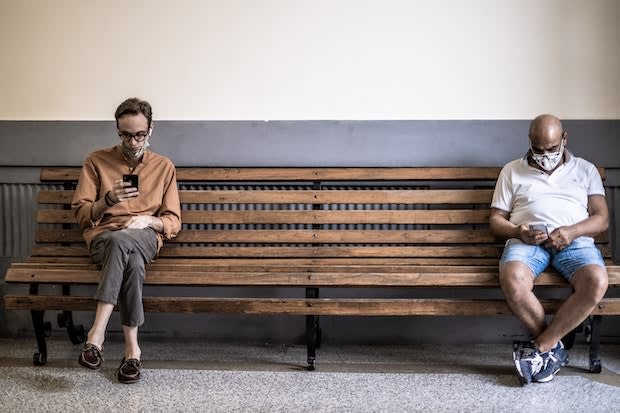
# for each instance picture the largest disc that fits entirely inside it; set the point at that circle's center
(593, 336)
(42, 330)
(313, 332)
(65, 320)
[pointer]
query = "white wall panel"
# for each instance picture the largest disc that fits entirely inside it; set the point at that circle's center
(323, 59)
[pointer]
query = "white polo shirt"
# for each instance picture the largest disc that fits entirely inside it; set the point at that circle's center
(559, 199)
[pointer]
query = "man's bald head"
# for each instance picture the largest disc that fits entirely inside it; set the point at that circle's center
(546, 131)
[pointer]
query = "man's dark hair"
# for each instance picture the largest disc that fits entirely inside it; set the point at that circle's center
(134, 106)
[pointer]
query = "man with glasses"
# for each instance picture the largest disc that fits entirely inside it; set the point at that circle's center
(126, 202)
(549, 204)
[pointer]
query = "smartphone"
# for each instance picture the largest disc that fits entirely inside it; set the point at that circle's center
(539, 226)
(132, 179)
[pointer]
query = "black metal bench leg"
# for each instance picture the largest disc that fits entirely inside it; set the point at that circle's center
(318, 332)
(41, 331)
(310, 343)
(595, 343)
(65, 319)
(76, 333)
(311, 331)
(569, 339)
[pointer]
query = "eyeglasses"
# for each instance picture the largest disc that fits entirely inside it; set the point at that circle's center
(138, 136)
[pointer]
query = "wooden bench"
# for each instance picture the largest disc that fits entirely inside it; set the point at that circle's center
(306, 228)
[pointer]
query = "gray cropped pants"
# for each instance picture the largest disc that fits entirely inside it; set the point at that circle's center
(123, 255)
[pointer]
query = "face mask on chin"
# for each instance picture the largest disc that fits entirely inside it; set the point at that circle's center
(137, 154)
(549, 160)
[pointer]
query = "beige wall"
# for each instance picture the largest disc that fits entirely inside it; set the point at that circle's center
(320, 59)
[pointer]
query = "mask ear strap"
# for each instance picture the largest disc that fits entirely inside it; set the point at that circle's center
(562, 144)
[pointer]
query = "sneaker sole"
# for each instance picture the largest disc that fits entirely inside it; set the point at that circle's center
(548, 378)
(552, 376)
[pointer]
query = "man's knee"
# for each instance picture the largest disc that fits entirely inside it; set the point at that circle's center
(516, 279)
(118, 240)
(591, 282)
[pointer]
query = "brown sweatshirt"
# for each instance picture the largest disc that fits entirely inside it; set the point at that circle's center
(158, 197)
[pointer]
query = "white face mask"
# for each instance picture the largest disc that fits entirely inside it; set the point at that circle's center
(548, 160)
(137, 154)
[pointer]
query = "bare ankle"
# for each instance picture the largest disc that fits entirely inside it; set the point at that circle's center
(543, 347)
(95, 338)
(132, 353)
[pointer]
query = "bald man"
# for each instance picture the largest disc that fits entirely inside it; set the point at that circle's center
(548, 205)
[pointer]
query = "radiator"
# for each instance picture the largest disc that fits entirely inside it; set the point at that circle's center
(18, 223)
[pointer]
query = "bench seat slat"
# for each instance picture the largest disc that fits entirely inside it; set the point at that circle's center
(292, 306)
(302, 278)
(281, 276)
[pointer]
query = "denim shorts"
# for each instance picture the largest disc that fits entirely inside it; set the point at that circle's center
(579, 253)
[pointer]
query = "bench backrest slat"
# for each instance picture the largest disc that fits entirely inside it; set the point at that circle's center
(60, 174)
(313, 197)
(304, 174)
(55, 216)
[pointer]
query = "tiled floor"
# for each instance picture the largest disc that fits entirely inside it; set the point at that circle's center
(197, 376)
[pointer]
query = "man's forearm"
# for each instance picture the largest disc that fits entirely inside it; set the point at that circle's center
(590, 227)
(503, 228)
(98, 208)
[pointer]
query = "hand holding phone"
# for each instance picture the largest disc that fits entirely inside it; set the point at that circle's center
(539, 226)
(132, 179)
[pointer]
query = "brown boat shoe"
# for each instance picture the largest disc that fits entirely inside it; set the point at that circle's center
(129, 371)
(91, 356)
